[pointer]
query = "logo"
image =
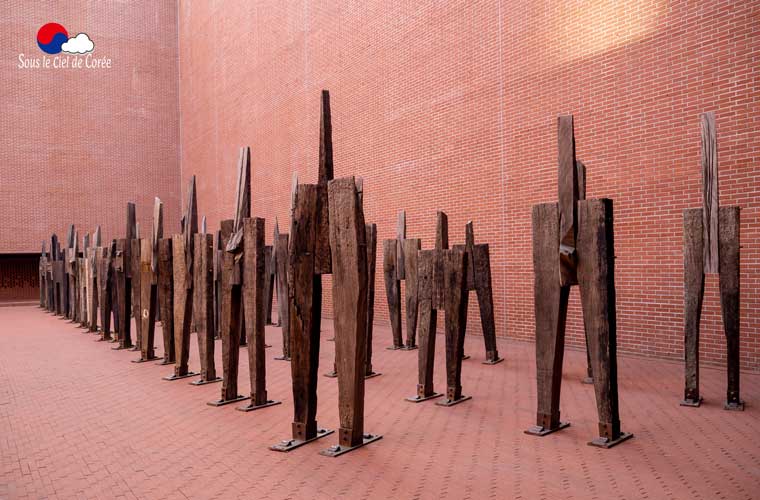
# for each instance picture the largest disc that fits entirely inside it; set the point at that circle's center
(52, 38)
(61, 51)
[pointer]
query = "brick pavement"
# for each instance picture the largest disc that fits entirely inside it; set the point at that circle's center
(80, 421)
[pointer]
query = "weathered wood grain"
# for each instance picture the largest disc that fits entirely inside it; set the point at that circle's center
(729, 299)
(305, 294)
(254, 304)
(124, 293)
(411, 247)
(148, 300)
(349, 266)
(710, 201)
(183, 306)
(103, 283)
(268, 283)
(392, 290)
(455, 283)
(281, 265)
(134, 265)
(400, 237)
(92, 289)
(370, 234)
(203, 303)
(568, 197)
(166, 297)
(427, 321)
(230, 321)
(694, 288)
(596, 276)
(550, 302)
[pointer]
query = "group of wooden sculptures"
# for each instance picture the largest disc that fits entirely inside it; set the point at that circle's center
(221, 285)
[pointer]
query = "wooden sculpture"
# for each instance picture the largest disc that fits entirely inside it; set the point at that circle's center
(231, 258)
(256, 265)
(149, 256)
(203, 306)
(280, 265)
(479, 280)
(573, 244)
(104, 283)
(318, 247)
(123, 270)
(182, 273)
(394, 271)
(441, 286)
(711, 245)
(348, 246)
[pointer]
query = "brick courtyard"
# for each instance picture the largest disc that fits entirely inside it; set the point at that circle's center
(80, 421)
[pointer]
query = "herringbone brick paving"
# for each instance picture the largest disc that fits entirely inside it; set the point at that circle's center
(80, 421)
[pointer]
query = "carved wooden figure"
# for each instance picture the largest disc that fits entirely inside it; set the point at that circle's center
(254, 294)
(231, 281)
(149, 256)
(711, 245)
(394, 271)
(203, 306)
(122, 266)
(441, 286)
(309, 258)
(182, 272)
(479, 280)
(280, 256)
(573, 244)
(350, 284)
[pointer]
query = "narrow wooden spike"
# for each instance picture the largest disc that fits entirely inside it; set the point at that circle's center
(131, 222)
(710, 201)
(98, 242)
(157, 234)
(400, 237)
(325, 140)
(191, 228)
(441, 231)
(568, 198)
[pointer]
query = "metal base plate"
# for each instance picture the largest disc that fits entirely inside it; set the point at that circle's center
(292, 444)
(331, 374)
(204, 382)
(694, 403)
(452, 402)
(734, 406)
(394, 348)
(417, 399)
(134, 348)
(408, 348)
(337, 450)
(103, 340)
(120, 348)
(466, 356)
(372, 375)
(606, 443)
(282, 358)
(331, 339)
(252, 407)
(222, 402)
(587, 380)
(493, 361)
(166, 361)
(178, 377)
(141, 360)
(537, 430)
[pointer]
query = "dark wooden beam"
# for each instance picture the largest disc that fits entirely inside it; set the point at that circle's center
(203, 306)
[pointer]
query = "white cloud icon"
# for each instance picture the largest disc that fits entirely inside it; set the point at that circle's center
(80, 44)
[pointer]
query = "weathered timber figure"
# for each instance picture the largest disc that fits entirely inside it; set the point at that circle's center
(149, 256)
(134, 266)
(479, 280)
(231, 258)
(256, 266)
(573, 244)
(280, 265)
(123, 268)
(309, 258)
(441, 286)
(203, 306)
(166, 298)
(350, 283)
(104, 282)
(394, 271)
(182, 272)
(711, 245)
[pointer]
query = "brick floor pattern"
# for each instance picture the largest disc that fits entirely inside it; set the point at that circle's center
(80, 421)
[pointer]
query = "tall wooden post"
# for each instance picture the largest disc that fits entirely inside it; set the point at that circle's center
(255, 297)
(166, 298)
(149, 268)
(203, 310)
(349, 269)
(281, 272)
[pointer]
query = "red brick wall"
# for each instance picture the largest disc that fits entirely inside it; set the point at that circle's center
(453, 105)
(77, 144)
